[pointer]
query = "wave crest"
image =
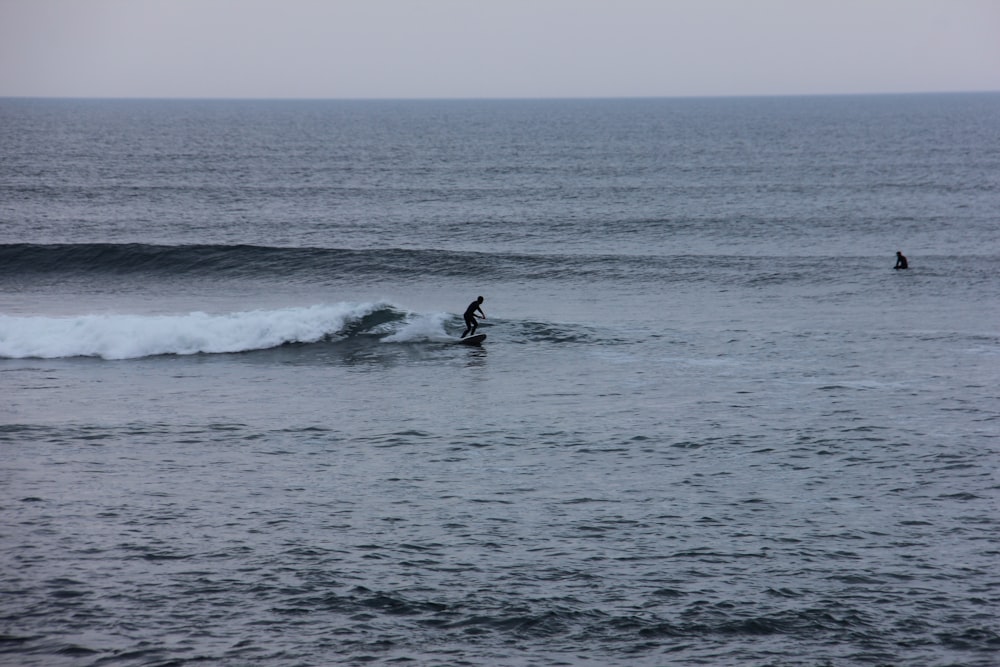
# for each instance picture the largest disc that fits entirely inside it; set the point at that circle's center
(134, 336)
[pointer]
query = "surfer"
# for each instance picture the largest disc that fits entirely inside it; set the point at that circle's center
(901, 262)
(470, 316)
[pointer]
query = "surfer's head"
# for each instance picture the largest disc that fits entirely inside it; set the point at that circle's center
(480, 299)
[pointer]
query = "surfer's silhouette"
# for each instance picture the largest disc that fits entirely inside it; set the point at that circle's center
(901, 262)
(470, 317)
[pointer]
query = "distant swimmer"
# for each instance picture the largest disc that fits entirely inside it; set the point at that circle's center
(901, 262)
(470, 316)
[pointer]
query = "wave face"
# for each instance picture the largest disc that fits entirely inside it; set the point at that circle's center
(133, 336)
(236, 261)
(126, 266)
(253, 261)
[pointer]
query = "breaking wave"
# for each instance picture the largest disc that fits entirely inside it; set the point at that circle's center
(132, 336)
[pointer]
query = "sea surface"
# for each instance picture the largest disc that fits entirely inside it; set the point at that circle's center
(710, 424)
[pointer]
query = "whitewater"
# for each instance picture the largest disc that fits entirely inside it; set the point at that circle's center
(131, 336)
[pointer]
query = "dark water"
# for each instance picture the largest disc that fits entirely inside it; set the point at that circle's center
(709, 425)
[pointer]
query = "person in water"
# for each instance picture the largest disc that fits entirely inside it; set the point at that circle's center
(470, 317)
(901, 262)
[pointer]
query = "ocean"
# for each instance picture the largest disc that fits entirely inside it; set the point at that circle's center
(710, 423)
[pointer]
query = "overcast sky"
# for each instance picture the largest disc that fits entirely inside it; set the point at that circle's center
(495, 48)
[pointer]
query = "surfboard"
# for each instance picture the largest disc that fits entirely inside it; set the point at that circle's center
(476, 339)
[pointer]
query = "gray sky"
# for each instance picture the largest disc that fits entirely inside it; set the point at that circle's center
(495, 48)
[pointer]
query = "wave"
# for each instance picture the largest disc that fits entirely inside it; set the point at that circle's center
(22, 260)
(135, 336)
(198, 260)
(111, 260)
(22, 263)
(233, 261)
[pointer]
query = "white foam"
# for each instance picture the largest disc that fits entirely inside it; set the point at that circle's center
(421, 328)
(132, 336)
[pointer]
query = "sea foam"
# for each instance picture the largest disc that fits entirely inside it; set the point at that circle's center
(121, 336)
(421, 328)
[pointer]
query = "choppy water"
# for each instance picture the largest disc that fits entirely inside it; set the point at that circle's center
(710, 424)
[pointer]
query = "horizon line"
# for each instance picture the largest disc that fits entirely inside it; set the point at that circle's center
(193, 98)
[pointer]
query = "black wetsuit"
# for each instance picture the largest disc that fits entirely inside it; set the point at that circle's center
(470, 318)
(901, 262)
